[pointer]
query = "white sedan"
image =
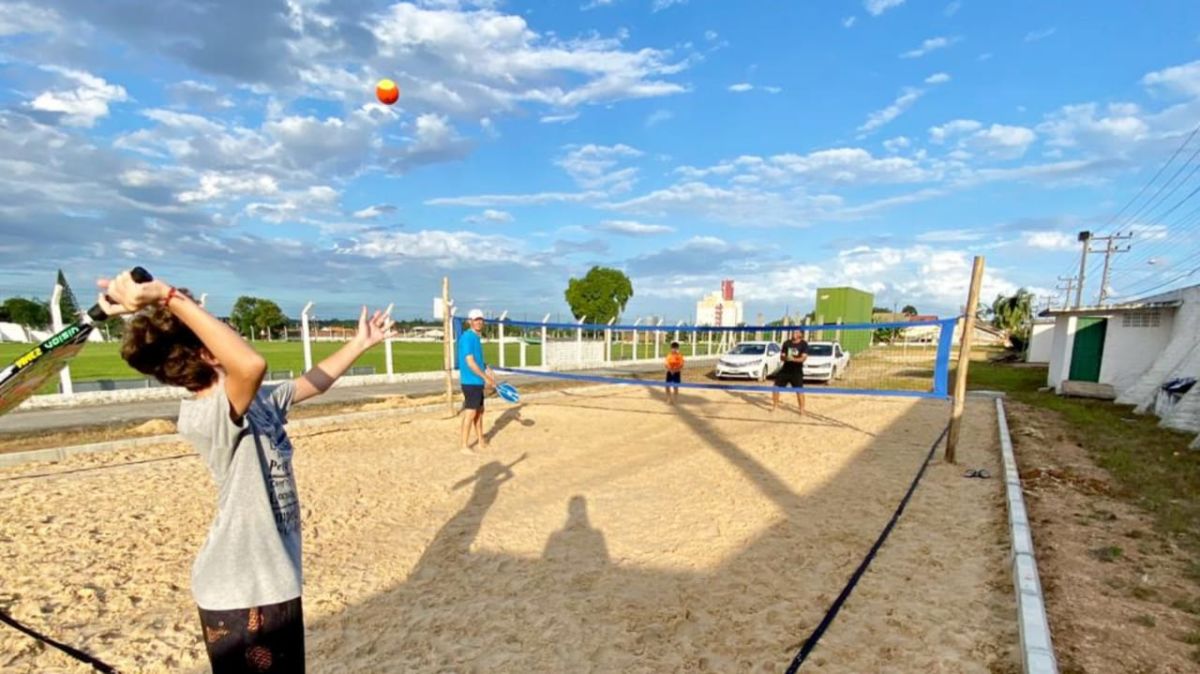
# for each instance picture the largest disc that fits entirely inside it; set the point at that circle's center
(826, 361)
(752, 360)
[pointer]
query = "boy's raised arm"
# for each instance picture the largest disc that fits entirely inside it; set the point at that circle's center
(244, 367)
(318, 380)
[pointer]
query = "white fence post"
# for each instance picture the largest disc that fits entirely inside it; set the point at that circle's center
(579, 340)
(694, 333)
(657, 338)
(56, 321)
(387, 345)
(545, 350)
(635, 338)
(305, 337)
(608, 341)
(500, 327)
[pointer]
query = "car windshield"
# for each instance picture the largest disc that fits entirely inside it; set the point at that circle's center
(747, 350)
(820, 350)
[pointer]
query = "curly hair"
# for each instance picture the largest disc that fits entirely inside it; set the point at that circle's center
(160, 345)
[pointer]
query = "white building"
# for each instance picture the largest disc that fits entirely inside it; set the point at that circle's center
(717, 311)
(1135, 348)
(1041, 341)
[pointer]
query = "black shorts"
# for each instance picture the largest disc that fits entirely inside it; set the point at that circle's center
(472, 396)
(261, 639)
(790, 376)
(674, 377)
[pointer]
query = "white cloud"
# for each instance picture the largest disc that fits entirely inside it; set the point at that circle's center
(940, 134)
(929, 45)
(1036, 35)
(559, 119)
(1054, 241)
(950, 236)
(849, 21)
(937, 78)
(633, 228)
(593, 166)
(534, 199)
(490, 216)
(877, 7)
(1115, 126)
(83, 105)
(17, 18)
(773, 90)
(952, 8)
(1183, 79)
(1001, 141)
(660, 5)
(216, 186)
(443, 248)
(882, 117)
(710, 35)
(741, 87)
(896, 144)
(435, 142)
(372, 212)
(658, 117)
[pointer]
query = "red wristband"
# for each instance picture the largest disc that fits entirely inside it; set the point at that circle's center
(170, 296)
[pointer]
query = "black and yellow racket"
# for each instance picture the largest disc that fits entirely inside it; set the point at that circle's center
(26, 374)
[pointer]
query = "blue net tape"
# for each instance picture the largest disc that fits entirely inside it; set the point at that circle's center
(821, 390)
(945, 323)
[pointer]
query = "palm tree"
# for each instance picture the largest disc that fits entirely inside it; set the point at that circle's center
(1013, 314)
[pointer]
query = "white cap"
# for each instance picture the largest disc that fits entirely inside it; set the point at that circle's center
(473, 314)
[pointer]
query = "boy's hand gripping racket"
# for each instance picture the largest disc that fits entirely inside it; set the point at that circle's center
(26, 374)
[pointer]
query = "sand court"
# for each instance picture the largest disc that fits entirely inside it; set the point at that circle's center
(604, 531)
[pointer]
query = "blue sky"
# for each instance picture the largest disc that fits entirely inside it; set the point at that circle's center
(236, 148)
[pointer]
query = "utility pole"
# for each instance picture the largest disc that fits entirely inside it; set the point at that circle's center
(1085, 238)
(1109, 251)
(1070, 281)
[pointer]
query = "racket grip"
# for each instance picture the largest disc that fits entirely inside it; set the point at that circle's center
(138, 274)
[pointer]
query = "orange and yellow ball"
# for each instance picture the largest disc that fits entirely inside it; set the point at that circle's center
(387, 92)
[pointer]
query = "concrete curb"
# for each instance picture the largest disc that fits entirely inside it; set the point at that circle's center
(60, 453)
(1037, 651)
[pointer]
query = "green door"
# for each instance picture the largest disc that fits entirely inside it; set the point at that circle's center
(1089, 349)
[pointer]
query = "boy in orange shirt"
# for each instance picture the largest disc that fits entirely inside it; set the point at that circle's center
(674, 366)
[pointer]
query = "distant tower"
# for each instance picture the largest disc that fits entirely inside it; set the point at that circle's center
(727, 290)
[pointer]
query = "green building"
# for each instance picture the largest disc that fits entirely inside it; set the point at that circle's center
(845, 305)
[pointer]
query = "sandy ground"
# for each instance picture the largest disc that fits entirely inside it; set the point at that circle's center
(603, 531)
(1117, 595)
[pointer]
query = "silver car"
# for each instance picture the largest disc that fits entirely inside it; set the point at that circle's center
(751, 360)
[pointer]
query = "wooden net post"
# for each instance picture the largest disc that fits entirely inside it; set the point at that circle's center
(964, 361)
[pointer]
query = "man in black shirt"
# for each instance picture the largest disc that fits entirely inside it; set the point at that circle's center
(795, 352)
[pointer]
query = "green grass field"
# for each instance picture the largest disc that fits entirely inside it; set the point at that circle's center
(103, 361)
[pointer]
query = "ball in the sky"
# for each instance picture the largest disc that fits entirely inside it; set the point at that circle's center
(387, 92)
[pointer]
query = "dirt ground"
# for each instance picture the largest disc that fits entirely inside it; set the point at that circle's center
(1116, 590)
(604, 531)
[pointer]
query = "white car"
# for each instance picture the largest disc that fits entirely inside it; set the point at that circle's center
(826, 361)
(752, 360)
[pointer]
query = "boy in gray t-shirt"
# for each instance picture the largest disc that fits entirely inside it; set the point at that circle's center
(247, 577)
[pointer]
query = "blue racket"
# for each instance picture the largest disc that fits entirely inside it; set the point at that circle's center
(508, 392)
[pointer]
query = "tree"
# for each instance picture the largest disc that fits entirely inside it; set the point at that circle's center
(242, 316)
(268, 316)
(601, 295)
(28, 312)
(1013, 315)
(909, 310)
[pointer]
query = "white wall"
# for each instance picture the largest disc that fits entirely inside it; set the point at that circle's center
(1041, 343)
(1060, 352)
(571, 352)
(1130, 352)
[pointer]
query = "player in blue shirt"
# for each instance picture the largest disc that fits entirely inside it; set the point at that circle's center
(473, 374)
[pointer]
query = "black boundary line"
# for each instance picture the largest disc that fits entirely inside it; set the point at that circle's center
(811, 642)
(96, 663)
